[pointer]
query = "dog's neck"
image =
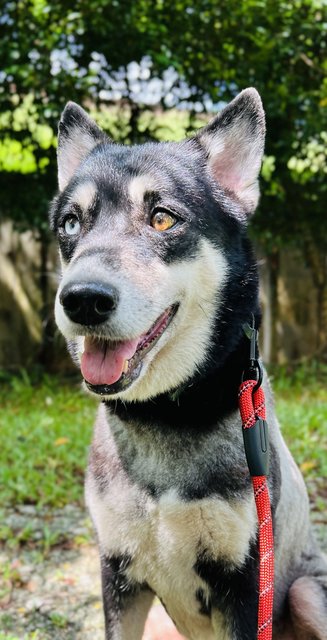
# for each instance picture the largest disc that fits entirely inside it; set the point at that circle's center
(203, 400)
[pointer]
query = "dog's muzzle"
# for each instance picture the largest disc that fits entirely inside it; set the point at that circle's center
(108, 365)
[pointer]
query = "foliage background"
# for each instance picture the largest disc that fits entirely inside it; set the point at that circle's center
(154, 69)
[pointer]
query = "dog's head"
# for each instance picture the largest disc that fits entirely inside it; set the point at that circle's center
(149, 236)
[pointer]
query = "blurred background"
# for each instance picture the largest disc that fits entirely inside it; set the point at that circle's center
(147, 69)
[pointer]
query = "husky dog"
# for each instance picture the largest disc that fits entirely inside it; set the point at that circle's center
(158, 280)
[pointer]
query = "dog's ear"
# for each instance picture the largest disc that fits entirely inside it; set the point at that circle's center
(78, 135)
(234, 142)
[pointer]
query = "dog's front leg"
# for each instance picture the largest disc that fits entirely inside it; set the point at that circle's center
(125, 603)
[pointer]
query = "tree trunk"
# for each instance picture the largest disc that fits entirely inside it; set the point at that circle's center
(322, 316)
(269, 286)
(317, 262)
(274, 261)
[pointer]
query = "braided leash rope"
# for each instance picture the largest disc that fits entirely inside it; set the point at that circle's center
(252, 409)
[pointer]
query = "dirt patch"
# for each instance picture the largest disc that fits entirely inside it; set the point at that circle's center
(50, 577)
(51, 580)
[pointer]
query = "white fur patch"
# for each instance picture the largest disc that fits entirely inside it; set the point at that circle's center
(164, 540)
(138, 186)
(84, 194)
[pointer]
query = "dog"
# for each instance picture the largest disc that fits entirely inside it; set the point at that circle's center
(158, 279)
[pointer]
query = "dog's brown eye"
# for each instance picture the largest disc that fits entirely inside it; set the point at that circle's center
(162, 220)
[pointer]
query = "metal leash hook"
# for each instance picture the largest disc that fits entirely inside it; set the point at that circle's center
(255, 368)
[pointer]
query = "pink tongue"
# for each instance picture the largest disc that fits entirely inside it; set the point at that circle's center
(103, 365)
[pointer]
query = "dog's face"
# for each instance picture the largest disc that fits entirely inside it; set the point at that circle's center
(145, 234)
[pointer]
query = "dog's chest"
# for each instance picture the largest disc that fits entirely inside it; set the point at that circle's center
(164, 540)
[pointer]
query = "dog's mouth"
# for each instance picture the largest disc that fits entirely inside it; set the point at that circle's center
(109, 367)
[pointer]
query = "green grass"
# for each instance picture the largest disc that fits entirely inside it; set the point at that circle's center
(29, 636)
(45, 433)
(301, 406)
(34, 635)
(46, 430)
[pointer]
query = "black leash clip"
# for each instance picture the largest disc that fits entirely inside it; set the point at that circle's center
(254, 372)
(256, 445)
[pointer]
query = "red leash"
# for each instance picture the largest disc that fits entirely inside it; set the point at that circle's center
(255, 432)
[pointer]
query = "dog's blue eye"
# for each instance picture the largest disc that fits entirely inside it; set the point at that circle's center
(72, 226)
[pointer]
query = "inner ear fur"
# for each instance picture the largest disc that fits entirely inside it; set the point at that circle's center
(234, 142)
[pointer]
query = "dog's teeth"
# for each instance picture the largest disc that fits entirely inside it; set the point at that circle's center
(125, 367)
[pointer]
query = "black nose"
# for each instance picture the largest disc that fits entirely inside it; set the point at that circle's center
(88, 303)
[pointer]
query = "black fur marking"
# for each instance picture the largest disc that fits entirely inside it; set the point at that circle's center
(117, 589)
(56, 207)
(245, 108)
(116, 586)
(233, 591)
(205, 607)
(75, 117)
(67, 247)
(217, 482)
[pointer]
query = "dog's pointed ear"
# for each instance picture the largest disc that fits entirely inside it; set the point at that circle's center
(234, 142)
(78, 135)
